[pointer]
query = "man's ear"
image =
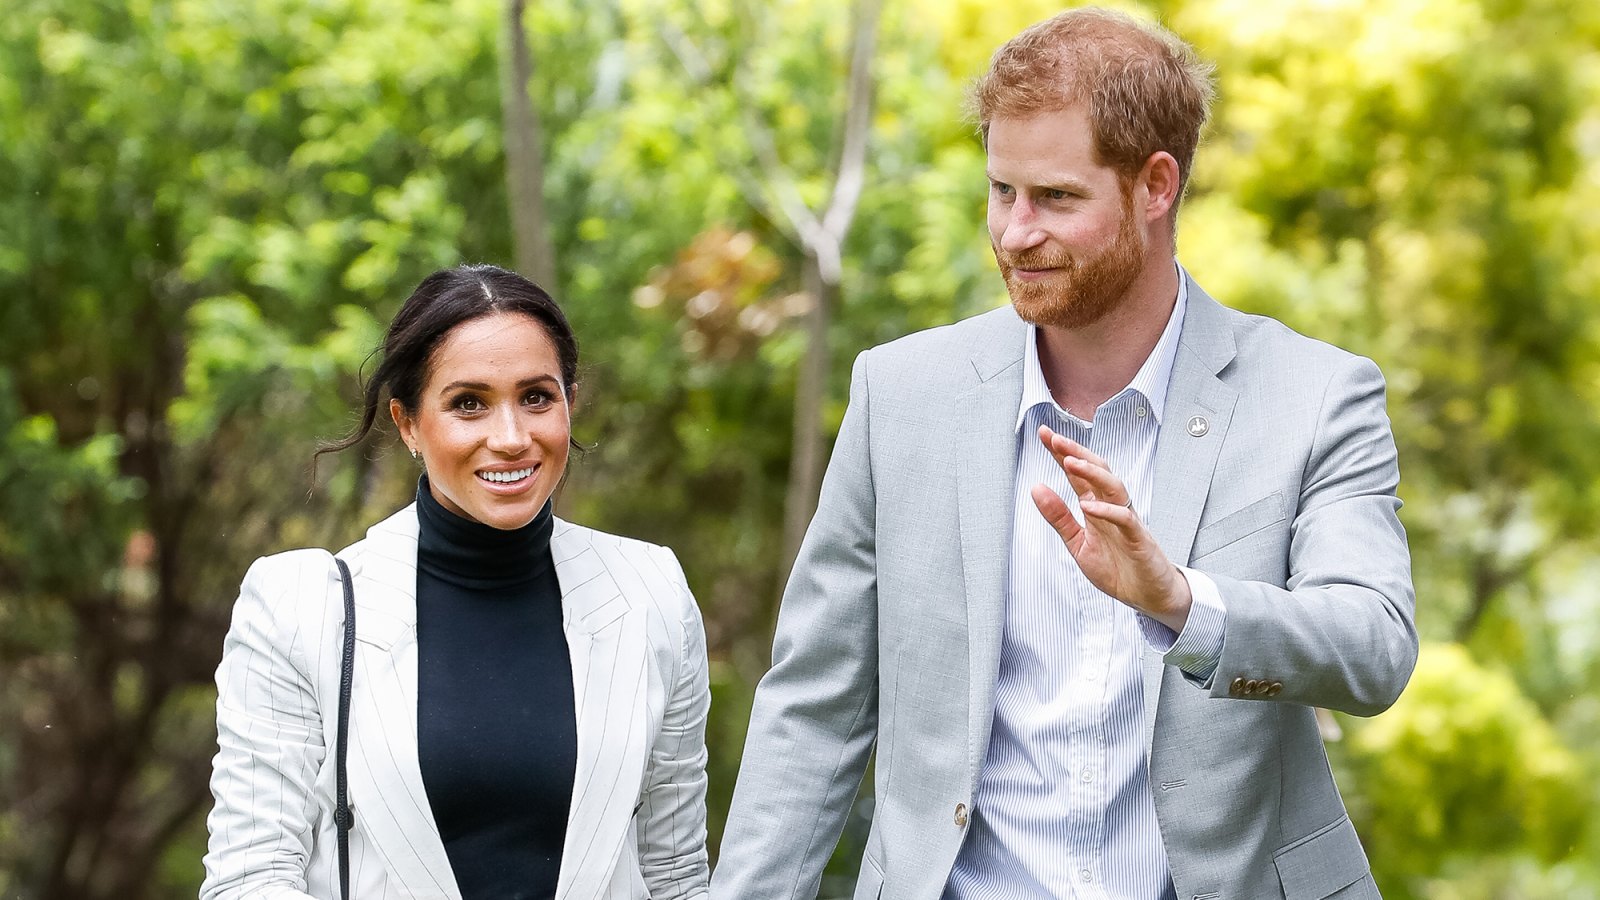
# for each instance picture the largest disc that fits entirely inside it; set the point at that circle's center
(403, 423)
(1161, 183)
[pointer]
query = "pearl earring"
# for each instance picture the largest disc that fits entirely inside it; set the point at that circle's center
(413, 453)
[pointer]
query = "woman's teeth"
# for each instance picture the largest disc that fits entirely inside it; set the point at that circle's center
(506, 477)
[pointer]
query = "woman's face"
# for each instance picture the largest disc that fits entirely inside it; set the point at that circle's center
(493, 422)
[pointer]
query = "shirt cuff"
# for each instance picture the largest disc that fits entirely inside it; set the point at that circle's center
(1199, 648)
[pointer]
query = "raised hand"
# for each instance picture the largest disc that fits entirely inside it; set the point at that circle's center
(1113, 548)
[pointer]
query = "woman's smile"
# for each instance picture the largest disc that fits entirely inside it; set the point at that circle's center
(492, 423)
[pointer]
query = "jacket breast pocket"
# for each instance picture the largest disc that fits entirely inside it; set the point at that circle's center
(1322, 863)
(1238, 525)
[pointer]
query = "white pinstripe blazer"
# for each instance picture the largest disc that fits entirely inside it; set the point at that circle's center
(636, 825)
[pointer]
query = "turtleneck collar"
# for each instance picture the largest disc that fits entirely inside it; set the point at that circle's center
(473, 555)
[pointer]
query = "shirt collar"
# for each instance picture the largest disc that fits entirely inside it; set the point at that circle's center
(1150, 381)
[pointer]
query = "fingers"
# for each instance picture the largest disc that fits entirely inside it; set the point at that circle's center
(1063, 448)
(1101, 494)
(1056, 512)
(1117, 514)
(1090, 476)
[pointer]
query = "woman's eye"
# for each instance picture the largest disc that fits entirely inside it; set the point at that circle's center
(469, 403)
(537, 398)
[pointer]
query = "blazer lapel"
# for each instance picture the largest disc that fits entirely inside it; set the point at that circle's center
(1199, 410)
(389, 801)
(606, 637)
(985, 478)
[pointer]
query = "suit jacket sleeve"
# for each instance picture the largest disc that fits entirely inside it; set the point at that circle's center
(269, 748)
(672, 810)
(816, 712)
(1341, 633)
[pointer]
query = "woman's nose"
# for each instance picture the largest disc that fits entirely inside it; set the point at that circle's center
(507, 435)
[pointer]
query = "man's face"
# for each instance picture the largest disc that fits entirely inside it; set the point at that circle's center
(1062, 224)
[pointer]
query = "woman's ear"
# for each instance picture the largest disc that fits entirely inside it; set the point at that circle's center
(402, 422)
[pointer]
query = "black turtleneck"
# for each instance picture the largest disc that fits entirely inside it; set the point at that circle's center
(496, 728)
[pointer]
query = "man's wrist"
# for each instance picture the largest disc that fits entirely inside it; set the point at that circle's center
(1173, 610)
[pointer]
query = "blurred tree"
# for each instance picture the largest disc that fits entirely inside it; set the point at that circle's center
(1470, 770)
(819, 232)
(535, 254)
(1411, 180)
(199, 204)
(206, 213)
(1416, 181)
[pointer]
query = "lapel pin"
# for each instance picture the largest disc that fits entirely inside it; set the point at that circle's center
(1198, 426)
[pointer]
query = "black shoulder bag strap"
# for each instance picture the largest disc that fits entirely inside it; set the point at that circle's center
(342, 819)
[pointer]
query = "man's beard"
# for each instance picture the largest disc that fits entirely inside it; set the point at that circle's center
(1083, 291)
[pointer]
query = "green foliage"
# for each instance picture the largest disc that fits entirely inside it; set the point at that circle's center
(1463, 767)
(1414, 181)
(65, 509)
(208, 211)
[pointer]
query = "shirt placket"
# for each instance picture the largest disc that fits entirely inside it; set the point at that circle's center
(1087, 736)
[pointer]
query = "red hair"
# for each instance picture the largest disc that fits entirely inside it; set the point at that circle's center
(1145, 89)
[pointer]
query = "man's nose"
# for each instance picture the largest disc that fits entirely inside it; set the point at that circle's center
(1022, 231)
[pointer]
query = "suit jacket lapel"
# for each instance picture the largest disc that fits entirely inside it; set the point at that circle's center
(985, 484)
(606, 636)
(388, 798)
(1186, 460)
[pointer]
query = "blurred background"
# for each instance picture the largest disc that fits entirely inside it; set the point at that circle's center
(209, 209)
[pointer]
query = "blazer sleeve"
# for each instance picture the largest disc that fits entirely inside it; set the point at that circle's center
(269, 747)
(1342, 632)
(672, 810)
(815, 716)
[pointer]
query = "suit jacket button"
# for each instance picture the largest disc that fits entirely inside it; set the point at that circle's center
(961, 814)
(1274, 689)
(1237, 687)
(1251, 686)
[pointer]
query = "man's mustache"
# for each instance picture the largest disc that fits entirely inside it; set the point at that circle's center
(1036, 258)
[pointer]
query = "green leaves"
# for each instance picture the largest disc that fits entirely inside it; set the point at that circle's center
(65, 508)
(208, 211)
(1463, 767)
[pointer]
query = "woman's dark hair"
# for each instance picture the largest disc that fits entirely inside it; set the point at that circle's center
(442, 301)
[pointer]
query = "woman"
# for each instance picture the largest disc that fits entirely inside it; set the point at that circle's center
(527, 715)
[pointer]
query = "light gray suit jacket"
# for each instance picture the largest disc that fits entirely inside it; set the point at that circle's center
(636, 824)
(890, 629)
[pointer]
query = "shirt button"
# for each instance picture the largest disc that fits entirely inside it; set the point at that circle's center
(1141, 411)
(1087, 776)
(1085, 876)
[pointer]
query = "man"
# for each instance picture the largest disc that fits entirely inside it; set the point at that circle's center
(990, 590)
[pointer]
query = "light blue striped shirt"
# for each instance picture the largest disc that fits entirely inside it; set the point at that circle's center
(1063, 806)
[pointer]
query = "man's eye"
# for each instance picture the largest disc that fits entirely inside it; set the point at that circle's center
(1056, 194)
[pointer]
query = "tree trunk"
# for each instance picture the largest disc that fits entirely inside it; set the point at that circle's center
(535, 255)
(806, 461)
(822, 238)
